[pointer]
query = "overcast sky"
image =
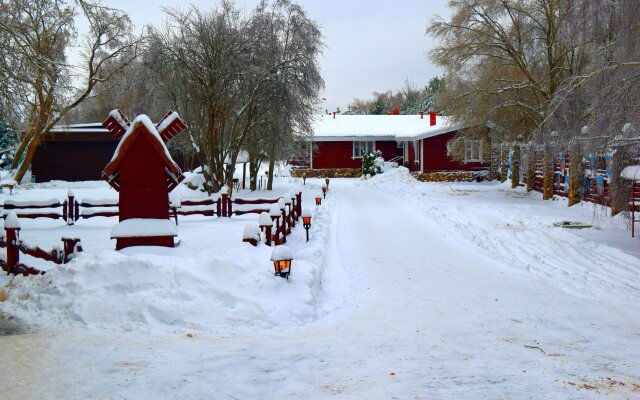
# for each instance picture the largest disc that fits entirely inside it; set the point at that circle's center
(371, 45)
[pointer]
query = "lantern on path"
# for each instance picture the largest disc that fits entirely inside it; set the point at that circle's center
(306, 221)
(318, 200)
(304, 178)
(324, 191)
(282, 257)
(326, 180)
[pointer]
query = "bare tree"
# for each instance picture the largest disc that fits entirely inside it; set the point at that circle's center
(504, 61)
(36, 35)
(221, 69)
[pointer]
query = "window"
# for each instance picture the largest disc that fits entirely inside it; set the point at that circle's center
(473, 151)
(360, 148)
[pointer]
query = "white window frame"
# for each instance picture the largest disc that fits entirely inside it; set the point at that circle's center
(369, 147)
(468, 148)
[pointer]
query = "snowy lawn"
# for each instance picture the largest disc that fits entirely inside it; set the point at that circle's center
(406, 290)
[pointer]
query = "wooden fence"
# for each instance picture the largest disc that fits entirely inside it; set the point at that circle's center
(11, 241)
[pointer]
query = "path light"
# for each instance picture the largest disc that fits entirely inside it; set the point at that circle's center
(282, 257)
(265, 222)
(326, 180)
(318, 200)
(304, 178)
(306, 221)
(324, 191)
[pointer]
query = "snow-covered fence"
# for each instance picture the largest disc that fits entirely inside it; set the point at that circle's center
(50, 208)
(89, 208)
(258, 206)
(10, 240)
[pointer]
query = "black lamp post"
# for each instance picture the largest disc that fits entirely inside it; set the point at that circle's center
(304, 178)
(318, 200)
(326, 180)
(324, 191)
(306, 221)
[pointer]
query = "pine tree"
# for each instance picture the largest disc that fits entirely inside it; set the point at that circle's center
(8, 142)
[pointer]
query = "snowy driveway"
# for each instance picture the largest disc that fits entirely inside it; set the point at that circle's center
(425, 313)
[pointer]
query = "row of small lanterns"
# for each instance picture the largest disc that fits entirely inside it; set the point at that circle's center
(281, 256)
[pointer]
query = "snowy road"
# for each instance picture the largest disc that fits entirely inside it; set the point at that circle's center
(423, 314)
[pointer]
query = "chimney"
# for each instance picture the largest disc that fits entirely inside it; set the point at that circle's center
(421, 114)
(334, 115)
(432, 118)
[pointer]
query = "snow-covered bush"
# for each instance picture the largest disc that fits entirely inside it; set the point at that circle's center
(372, 163)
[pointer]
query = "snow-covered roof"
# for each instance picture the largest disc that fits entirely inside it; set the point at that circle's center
(77, 128)
(631, 172)
(379, 127)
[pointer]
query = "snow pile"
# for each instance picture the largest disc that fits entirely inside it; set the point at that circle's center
(144, 227)
(392, 176)
(150, 289)
(251, 232)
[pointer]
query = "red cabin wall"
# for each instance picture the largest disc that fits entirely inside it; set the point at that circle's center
(436, 158)
(336, 154)
(143, 182)
(410, 162)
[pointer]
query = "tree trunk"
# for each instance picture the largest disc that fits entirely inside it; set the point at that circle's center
(515, 167)
(23, 145)
(272, 165)
(31, 150)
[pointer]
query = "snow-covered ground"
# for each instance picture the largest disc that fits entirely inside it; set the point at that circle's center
(406, 290)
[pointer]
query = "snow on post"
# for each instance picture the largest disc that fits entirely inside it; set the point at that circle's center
(274, 211)
(265, 219)
(11, 221)
(306, 213)
(281, 204)
(251, 234)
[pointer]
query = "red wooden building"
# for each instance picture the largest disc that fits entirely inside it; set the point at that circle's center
(76, 152)
(419, 142)
(143, 173)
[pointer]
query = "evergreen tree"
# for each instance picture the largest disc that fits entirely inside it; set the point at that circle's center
(8, 140)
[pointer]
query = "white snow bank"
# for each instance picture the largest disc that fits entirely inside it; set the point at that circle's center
(144, 227)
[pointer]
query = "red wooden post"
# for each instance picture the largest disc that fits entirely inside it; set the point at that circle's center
(65, 212)
(276, 236)
(76, 210)
(299, 203)
(225, 197)
(218, 207)
(229, 207)
(71, 207)
(12, 226)
(69, 247)
(284, 224)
